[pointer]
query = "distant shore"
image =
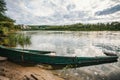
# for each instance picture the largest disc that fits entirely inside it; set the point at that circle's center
(111, 26)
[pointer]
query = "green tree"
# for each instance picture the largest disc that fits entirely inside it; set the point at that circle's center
(2, 7)
(6, 23)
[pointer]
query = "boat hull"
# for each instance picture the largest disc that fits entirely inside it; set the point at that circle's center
(30, 57)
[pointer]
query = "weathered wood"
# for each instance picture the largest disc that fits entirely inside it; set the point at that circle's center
(34, 77)
(3, 58)
(26, 77)
(4, 78)
(38, 58)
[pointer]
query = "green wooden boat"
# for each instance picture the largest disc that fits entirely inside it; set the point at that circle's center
(110, 54)
(39, 57)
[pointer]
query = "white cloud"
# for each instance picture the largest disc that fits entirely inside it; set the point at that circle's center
(60, 11)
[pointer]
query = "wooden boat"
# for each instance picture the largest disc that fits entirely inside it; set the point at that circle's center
(39, 57)
(110, 54)
(33, 51)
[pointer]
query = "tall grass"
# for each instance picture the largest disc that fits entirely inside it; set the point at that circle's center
(16, 39)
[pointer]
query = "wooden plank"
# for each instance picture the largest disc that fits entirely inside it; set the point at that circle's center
(4, 78)
(3, 58)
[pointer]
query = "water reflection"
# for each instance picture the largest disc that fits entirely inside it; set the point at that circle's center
(70, 43)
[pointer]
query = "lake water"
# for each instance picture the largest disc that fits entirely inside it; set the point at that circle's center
(80, 43)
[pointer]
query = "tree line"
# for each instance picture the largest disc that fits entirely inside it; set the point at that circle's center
(113, 26)
(6, 23)
(6, 26)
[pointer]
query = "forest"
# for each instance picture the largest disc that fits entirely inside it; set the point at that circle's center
(6, 23)
(111, 26)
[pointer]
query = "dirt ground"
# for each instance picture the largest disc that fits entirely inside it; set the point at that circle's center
(12, 71)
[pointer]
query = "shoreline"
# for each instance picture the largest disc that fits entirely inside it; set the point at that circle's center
(12, 71)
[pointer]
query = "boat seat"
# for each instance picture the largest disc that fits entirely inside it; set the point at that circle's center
(3, 58)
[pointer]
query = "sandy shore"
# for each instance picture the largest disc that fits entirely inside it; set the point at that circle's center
(12, 71)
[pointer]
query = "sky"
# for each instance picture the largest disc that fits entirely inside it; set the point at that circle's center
(61, 12)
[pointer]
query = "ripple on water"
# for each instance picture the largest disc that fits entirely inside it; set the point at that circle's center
(81, 43)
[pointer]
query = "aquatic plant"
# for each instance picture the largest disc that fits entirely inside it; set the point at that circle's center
(23, 40)
(13, 40)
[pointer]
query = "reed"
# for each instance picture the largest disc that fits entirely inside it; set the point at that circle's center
(16, 39)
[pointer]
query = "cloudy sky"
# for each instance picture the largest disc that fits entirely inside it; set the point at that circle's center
(44, 12)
